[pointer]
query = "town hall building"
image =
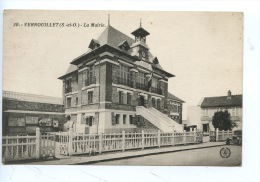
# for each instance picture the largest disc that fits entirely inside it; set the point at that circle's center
(119, 85)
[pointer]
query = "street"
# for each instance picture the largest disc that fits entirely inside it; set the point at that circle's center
(197, 157)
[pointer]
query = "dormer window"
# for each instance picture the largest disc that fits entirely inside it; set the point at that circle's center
(94, 44)
(124, 46)
(155, 60)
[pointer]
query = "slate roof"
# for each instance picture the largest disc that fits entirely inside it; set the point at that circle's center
(222, 101)
(114, 37)
(173, 97)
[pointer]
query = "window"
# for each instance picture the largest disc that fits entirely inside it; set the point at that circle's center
(117, 118)
(130, 119)
(155, 83)
(174, 107)
(233, 112)
(158, 104)
(68, 86)
(68, 102)
(90, 97)
(237, 111)
(141, 78)
(141, 81)
(205, 112)
(77, 100)
(153, 102)
(124, 72)
(178, 108)
(124, 119)
(91, 74)
(121, 97)
(129, 98)
(89, 120)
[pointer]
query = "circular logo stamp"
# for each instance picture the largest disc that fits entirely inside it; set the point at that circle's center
(225, 152)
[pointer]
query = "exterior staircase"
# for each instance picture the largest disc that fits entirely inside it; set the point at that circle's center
(158, 119)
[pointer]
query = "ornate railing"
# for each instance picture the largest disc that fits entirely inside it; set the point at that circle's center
(31, 97)
(90, 81)
(68, 90)
(125, 82)
(156, 90)
(142, 86)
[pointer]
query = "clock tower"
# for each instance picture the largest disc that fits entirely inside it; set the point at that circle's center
(139, 47)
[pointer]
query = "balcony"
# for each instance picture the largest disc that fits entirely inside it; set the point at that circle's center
(90, 81)
(156, 90)
(125, 82)
(142, 86)
(68, 90)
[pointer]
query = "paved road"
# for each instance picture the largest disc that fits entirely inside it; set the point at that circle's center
(197, 157)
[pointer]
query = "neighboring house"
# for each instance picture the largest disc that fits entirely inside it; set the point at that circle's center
(118, 85)
(23, 113)
(193, 118)
(210, 105)
(175, 108)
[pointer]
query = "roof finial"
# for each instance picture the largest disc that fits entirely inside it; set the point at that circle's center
(140, 22)
(108, 19)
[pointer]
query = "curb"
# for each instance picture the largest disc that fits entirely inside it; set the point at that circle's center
(141, 155)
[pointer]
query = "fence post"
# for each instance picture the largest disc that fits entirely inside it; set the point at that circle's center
(100, 143)
(70, 141)
(173, 138)
(142, 139)
(217, 135)
(159, 138)
(195, 135)
(38, 143)
(123, 140)
(184, 137)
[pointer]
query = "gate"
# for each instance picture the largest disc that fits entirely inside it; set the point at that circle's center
(62, 139)
(47, 145)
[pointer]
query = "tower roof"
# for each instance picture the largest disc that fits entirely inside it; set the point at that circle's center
(140, 31)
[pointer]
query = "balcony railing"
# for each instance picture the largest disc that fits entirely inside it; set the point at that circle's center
(156, 90)
(90, 81)
(68, 90)
(126, 82)
(142, 86)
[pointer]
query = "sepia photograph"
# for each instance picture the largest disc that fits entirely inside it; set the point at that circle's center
(131, 88)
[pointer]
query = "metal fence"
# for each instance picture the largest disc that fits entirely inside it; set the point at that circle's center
(31, 97)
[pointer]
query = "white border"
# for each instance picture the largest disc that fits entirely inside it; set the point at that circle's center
(250, 169)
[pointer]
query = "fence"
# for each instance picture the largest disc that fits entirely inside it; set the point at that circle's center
(19, 148)
(15, 148)
(220, 135)
(71, 143)
(42, 145)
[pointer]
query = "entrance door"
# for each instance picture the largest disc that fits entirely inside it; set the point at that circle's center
(205, 128)
(141, 101)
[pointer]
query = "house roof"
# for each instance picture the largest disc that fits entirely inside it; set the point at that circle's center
(222, 101)
(113, 37)
(173, 97)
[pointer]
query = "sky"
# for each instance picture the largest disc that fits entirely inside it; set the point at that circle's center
(203, 50)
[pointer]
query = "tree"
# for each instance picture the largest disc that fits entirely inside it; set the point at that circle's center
(222, 121)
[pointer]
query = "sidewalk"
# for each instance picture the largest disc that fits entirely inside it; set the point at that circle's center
(86, 159)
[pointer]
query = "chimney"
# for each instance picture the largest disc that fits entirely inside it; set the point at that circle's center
(229, 94)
